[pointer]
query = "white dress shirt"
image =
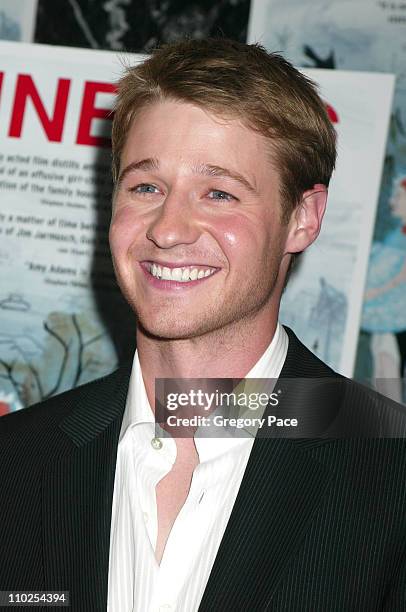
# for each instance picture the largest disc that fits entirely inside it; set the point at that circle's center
(136, 582)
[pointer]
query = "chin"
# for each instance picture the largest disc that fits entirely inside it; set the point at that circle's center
(167, 331)
(174, 328)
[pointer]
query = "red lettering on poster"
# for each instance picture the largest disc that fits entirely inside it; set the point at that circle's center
(26, 89)
(89, 112)
(4, 408)
(332, 114)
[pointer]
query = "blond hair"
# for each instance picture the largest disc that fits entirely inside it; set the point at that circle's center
(238, 81)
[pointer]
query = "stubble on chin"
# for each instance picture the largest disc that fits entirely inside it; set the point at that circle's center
(222, 319)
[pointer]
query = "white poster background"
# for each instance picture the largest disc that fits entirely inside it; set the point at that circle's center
(17, 18)
(323, 301)
(52, 334)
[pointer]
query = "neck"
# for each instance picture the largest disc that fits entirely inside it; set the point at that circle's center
(227, 353)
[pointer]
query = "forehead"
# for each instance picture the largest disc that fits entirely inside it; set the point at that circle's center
(184, 134)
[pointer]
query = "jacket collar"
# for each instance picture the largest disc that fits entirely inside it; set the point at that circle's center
(101, 403)
(98, 405)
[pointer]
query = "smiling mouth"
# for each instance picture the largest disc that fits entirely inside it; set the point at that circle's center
(184, 274)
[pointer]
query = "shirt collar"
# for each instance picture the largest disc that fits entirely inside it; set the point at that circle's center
(138, 409)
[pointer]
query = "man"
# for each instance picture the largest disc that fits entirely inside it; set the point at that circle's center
(222, 156)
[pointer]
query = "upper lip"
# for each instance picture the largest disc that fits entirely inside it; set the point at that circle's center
(168, 264)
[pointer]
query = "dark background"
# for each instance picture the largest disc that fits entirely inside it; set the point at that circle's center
(137, 25)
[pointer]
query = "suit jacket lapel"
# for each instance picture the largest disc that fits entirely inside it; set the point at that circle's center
(280, 492)
(77, 494)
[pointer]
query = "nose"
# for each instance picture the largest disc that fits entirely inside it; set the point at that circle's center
(174, 224)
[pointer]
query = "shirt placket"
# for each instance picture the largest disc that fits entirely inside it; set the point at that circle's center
(185, 540)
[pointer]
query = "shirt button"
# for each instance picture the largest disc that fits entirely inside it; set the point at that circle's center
(165, 608)
(156, 443)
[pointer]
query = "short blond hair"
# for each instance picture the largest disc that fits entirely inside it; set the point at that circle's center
(238, 81)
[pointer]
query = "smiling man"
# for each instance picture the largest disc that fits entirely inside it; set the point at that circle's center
(198, 242)
(222, 156)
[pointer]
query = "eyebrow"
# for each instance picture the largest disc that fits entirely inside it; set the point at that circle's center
(151, 163)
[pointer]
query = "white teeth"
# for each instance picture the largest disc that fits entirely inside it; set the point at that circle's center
(176, 274)
(179, 274)
(166, 274)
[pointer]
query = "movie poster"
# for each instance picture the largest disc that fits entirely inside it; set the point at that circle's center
(62, 319)
(361, 35)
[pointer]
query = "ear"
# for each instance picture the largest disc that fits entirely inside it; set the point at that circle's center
(305, 223)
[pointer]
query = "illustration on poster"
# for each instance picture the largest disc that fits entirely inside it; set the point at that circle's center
(384, 313)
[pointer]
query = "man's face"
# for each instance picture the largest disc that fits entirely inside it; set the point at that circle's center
(197, 204)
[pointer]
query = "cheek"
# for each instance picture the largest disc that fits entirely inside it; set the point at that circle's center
(241, 236)
(125, 228)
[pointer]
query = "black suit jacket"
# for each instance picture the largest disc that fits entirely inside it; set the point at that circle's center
(318, 524)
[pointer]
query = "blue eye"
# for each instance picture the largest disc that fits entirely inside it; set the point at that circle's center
(144, 188)
(221, 195)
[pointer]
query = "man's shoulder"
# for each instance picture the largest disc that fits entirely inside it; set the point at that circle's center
(351, 408)
(52, 411)
(36, 439)
(355, 431)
